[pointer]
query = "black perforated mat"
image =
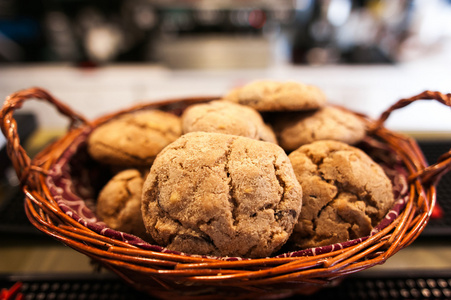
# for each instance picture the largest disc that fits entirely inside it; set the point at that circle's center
(364, 285)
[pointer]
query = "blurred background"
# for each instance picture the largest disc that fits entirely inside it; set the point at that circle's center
(105, 55)
(222, 33)
(99, 56)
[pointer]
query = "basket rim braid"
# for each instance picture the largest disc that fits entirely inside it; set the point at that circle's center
(168, 274)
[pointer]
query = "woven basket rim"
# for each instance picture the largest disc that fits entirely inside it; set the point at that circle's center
(168, 269)
(84, 215)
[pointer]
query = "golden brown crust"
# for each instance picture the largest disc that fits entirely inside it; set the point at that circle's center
(328, 123)
(134, 139)
(345, 193)
(223, 195)
(119, 203)
(228, 118)
(269, 95)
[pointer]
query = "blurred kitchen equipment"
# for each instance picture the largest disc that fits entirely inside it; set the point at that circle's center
(222, 34)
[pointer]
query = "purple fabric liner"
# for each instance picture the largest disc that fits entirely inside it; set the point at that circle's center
(72, 180)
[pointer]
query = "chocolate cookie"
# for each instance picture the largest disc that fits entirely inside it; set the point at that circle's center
(345, 193)
(119, 203)
(328, 123)
(229, 118)
(134, 139)
(223, 195)
(267, 95)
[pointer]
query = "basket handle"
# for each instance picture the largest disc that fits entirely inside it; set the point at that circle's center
(434, 172)
(19, 158)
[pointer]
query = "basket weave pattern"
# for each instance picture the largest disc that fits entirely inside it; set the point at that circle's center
(166, 274)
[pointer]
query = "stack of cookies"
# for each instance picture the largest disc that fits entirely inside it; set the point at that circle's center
(271, 164)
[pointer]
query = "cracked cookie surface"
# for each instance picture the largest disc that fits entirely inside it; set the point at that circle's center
(228, 118)
(345, 193)
(223, 195)
(119, 203)
(328, 123)
(134, 139)
(269, 95)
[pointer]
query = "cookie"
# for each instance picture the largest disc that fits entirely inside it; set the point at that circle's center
(345, 193)
(328, 123)
(267, 95)
(229, 118)
(134, 139)
(222, 195)
(119, 203)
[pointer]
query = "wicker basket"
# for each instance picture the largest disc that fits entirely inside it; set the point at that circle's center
(167, 274)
